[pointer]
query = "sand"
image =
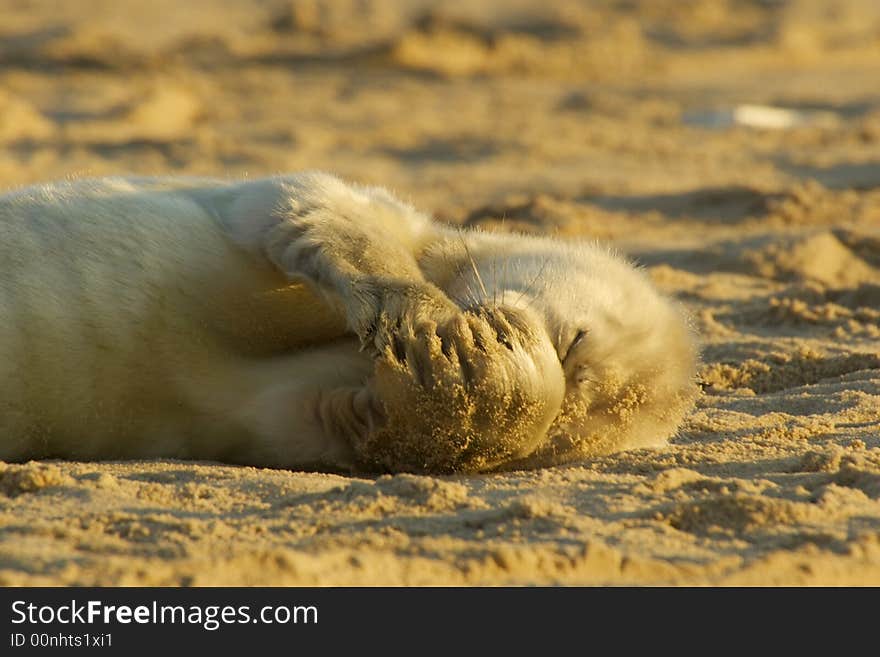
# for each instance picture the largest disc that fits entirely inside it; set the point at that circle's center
(627, 122)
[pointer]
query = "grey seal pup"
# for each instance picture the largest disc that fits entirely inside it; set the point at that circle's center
(302, 322)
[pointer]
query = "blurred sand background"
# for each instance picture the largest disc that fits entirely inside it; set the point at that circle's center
(615, 120)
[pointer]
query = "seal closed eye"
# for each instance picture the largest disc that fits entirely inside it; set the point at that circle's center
(578, 337)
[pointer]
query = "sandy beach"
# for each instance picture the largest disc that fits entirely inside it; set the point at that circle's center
(731, 148)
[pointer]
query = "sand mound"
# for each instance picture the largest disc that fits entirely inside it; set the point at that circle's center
(786, 370)
(821, 257)
(163, 113)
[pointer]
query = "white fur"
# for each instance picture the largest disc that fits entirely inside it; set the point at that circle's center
(227, 320)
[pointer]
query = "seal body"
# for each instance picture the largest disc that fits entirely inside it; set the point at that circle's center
(302, 322)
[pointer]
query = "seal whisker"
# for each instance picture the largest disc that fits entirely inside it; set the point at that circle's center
(473, 263)
(528, 288)
(471, 296)
(494, 281)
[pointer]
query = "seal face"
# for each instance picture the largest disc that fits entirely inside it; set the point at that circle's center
(302, 322)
